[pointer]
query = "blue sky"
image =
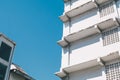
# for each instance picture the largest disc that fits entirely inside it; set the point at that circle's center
(35, 27)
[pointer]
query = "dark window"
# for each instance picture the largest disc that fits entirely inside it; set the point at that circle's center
(2, 71)
(5, 51)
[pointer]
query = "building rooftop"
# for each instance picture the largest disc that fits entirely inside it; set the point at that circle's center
(7, 38)
(18, 70)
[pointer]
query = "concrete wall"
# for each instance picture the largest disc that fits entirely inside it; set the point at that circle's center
(65, 57)
(14, 76)
(67, 6)
(118, 7)
(89, 48)
(74, 3)
(95, 73)
(81, 21)
(66, 29)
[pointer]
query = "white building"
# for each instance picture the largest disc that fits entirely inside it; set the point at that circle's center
(90, 42)
(17, 73)
(6, 52)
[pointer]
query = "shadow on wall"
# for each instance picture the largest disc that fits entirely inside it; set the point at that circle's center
(75, 1)
(90, 74)
(86, 42)
(84, 16)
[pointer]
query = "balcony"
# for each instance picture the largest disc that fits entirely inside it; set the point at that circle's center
(79, 35)
(82, 34)
(81, 9)
(108, 23)
(88, 64)
(61, 74)
(92, 30)
(63, 43)
(78, 10)
(102, 1)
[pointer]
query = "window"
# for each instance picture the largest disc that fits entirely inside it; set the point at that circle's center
(106, 9)
(110, 36)
(113, 71)
(2, 71)
(5, 51)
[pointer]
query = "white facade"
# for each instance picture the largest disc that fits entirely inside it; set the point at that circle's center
(90, 42)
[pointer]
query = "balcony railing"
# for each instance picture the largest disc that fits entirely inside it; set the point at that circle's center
(89, 5)
(102, 1)
(95, 29)
(78, 10)
(88, 64)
